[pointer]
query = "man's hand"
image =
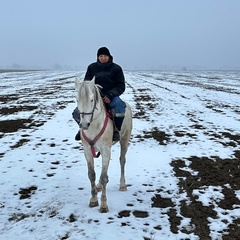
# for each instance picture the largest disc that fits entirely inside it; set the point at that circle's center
(106, 99)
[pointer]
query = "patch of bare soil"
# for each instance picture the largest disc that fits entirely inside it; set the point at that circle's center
(212, 171)
(14, 125)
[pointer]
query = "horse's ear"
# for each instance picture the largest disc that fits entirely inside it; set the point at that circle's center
(93, 80)
(76, 83)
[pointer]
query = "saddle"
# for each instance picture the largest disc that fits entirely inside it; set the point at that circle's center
(109, 112)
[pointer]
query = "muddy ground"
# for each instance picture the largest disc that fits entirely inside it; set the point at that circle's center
(212, 171)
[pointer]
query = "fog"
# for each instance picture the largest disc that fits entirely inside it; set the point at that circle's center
(141, 34)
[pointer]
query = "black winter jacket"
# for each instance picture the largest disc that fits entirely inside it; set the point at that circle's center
(109, 75)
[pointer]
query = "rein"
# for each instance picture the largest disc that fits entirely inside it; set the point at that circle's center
(92, 142)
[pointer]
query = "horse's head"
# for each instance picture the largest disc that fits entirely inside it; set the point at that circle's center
(87, 99)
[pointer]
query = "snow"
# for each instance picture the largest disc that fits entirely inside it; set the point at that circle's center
(54, 162)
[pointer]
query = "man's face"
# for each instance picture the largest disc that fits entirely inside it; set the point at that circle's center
(103, 58)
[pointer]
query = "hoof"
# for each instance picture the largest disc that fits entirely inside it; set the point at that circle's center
(93, 204)
(123, 188)
(104, 210)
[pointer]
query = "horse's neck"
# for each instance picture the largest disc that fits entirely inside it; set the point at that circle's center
(99, 114)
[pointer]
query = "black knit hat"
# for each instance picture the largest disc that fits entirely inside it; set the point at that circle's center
(103, 50)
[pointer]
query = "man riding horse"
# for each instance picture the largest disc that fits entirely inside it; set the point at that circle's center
(110, 77)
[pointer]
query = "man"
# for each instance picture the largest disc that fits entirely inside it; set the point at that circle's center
(110, 76)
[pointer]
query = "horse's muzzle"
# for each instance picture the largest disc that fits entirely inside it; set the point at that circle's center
(84, 126)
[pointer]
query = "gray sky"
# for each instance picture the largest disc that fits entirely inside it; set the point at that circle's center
(141, 34)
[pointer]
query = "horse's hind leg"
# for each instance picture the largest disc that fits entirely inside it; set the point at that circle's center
(124, 148)
(99, 187)
(124, 142)
(92, 177)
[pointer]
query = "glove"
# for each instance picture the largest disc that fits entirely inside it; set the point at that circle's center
(106, 100)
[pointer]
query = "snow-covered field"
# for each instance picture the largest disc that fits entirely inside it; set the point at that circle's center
(182, 166)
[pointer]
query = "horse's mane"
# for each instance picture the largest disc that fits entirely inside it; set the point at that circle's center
(98, 92)
(97, 89)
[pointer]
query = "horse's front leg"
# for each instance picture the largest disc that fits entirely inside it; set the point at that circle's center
(92, 177)
(103, 182)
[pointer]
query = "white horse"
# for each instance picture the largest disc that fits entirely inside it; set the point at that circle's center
(96, 135)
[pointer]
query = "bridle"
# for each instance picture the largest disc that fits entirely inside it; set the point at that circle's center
(90, 113)
(94, 107)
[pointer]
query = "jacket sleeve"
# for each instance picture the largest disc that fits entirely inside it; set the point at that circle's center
(119, 83)
(89, 73)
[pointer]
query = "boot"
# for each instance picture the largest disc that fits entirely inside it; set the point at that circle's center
(76, 117)
(78, 136)
(116, 136)
(118, 124)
